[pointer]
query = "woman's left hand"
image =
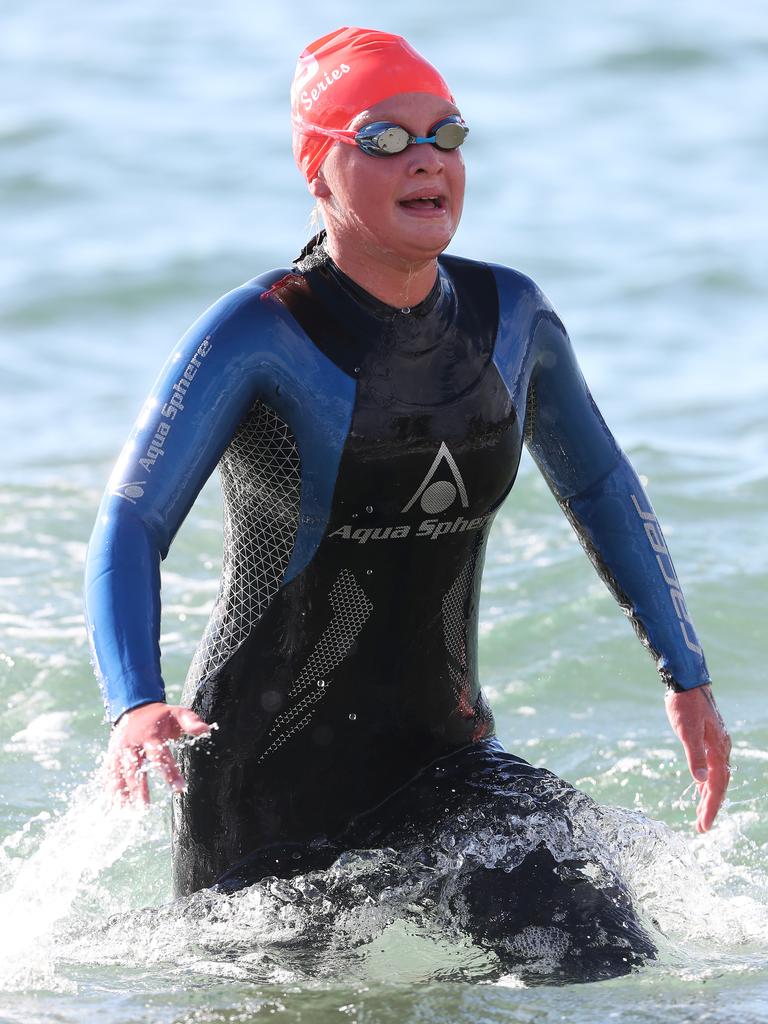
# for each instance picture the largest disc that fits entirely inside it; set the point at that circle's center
(699, 725)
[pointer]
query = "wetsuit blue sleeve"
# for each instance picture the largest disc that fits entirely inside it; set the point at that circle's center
(603, 498)
(240, 351)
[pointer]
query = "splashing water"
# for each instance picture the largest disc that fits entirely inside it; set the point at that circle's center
(56, 880)
(372, 913)
(709, 909)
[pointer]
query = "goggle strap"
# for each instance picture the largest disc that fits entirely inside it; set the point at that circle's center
(307, 128)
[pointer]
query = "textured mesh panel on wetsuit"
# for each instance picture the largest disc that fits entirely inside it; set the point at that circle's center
(351, 609)
(261, 485)
(455, 611)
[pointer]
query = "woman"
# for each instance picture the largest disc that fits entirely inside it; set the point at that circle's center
(367, 409)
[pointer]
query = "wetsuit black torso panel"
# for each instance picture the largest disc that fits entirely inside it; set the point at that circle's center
(321, 722)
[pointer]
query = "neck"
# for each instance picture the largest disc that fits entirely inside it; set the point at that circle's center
(392, 281)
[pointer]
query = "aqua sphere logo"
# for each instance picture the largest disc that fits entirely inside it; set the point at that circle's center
(436, 496)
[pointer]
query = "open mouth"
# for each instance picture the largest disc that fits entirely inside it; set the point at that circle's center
(423, 203)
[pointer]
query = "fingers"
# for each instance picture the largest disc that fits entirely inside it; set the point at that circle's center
(191, 723)
(691, 735)
(719, 775)
(140, 739)
(126, 773)
(159, 754)
(696, 755)
(130, 778)
(712, 796)
(175, 721)
(142, 786)
(115, 783)
(163, 760)
(709, 805)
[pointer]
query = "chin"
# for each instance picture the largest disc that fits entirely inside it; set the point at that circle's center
(422, 247)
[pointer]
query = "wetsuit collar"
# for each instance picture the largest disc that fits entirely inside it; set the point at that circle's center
(315, 255)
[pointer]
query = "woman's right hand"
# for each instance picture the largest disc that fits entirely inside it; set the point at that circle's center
(140, 739)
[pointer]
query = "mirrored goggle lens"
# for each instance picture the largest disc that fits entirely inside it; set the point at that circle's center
(393, 140)
(450, 135)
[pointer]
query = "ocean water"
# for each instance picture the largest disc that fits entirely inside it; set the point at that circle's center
(618, 156)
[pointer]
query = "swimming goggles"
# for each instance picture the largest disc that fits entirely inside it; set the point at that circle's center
(383, 138)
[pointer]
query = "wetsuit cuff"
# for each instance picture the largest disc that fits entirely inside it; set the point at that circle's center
(674, 687)
(151, 700)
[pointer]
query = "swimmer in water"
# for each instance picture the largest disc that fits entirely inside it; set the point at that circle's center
(367, 408)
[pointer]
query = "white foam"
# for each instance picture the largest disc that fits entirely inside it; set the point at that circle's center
(42, 889)
(42, 738)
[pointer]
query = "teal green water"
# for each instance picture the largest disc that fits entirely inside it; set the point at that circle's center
(618, 156)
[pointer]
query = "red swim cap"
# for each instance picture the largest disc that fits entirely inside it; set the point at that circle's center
(344, 73)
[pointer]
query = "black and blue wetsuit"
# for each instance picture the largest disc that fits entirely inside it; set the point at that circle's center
(364, 451)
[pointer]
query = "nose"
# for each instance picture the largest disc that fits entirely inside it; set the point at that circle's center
(425, 158)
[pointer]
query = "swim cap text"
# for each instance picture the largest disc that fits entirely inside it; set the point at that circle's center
(309, 96)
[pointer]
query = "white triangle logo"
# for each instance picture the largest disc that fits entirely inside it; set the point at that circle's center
(438, 495)
(131, 491)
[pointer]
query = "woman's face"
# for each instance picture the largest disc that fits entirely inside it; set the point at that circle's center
(371, 204)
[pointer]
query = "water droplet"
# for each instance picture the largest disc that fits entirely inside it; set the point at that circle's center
(369, 572)
(296, 855)
(352, 716)
(369, 509)
(405, 309)
(357, 369)
(322, 684)
(271, 700)
(278, 389)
